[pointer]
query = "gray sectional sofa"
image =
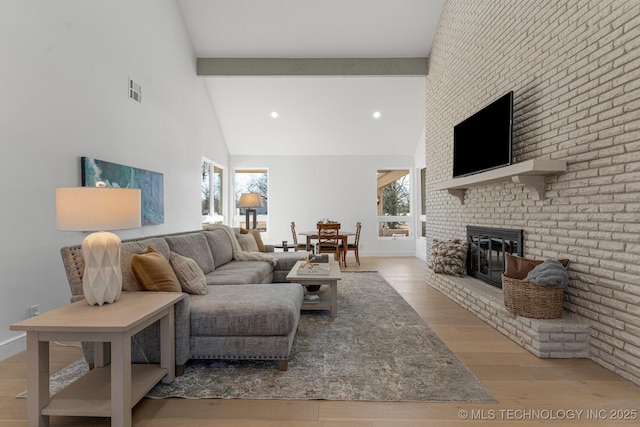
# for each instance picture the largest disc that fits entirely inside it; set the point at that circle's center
(248, 312)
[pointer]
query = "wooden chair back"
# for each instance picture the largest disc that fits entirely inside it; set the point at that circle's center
(328, 240)
(293, 233)
(354, 246)
(358, 227)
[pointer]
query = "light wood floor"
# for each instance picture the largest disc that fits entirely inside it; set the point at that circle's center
(529, 391)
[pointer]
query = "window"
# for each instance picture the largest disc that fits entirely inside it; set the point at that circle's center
(394, 203)
(423, 202)
(212, 180)
(252, 181)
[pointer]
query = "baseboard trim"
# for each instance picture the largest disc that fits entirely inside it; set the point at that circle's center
(384, 254)
(12, 346)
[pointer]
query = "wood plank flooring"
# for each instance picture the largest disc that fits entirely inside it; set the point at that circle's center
(529, 391)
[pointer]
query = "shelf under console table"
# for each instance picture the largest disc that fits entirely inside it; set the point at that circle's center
(530, 173)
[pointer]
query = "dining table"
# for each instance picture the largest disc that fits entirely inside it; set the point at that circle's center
(342, 235)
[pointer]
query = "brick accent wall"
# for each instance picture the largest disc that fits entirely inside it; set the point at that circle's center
(574, 67)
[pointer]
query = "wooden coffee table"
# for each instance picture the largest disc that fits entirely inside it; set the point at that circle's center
(110, 389)
(328, 294)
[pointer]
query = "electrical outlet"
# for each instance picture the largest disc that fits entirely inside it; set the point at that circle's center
(34, 310)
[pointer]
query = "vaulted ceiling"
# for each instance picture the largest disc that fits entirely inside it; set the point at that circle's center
(324, 105)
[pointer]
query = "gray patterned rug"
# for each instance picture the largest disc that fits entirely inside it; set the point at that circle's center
(377, 349)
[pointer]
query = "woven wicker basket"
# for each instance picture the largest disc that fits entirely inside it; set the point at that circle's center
(528, 300)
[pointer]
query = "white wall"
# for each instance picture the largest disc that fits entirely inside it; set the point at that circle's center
(305, 189)
(64, 72)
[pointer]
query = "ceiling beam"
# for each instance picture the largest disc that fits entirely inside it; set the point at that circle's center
(227, 67)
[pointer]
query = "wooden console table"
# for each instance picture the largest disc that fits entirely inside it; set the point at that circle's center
(110, 389)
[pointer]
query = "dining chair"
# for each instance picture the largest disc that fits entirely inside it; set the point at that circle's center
(296, 245)
(353, 246)
(329, 239)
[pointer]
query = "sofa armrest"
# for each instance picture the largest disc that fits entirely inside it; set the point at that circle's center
(269, 248)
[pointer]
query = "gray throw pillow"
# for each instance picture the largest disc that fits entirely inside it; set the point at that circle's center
(190, 276)
(247, 242)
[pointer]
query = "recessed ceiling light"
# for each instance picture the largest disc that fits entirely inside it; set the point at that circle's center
(274, 114)
(376, 115)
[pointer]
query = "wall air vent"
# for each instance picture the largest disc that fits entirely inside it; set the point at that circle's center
(135, 92)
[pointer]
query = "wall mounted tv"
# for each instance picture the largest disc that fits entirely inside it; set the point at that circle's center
(483, 141)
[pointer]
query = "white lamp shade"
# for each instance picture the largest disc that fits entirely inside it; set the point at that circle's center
(250, 200)
(99, 209)
(95, 208)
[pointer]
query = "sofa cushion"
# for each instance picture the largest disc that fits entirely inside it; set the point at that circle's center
(191, 278)
(248, 310)
(220, 246)
(247, 242)
(194, 246)
(127, 249)
(286, 260)
(241, 272)
(153, 272)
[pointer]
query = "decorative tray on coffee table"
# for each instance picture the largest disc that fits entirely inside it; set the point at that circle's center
(316, 269)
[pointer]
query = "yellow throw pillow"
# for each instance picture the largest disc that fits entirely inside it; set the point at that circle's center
(190, 276)
(153, 272)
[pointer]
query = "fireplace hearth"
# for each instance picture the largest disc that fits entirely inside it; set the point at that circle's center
(487, 248)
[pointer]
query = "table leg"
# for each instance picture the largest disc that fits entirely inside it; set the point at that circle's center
(121, 380)
(334, 298)
(37, 380)
(308, 243)
(344, 250)
(101, 354)
(168, 345)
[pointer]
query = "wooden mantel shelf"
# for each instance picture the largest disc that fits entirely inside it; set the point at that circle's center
(530, 173)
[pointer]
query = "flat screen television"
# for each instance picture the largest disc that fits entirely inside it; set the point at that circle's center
(483, 141)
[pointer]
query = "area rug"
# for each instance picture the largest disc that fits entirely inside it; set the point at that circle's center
(377, 349)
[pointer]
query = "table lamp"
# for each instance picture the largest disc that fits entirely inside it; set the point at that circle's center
(250, 201)
(99, 209)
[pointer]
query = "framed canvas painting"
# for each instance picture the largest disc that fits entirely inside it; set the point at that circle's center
(151, 184)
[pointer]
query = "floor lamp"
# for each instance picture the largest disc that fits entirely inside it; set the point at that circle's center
(250, 201)
(93, 209)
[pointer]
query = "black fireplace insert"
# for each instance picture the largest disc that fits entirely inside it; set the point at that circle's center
(487, 248)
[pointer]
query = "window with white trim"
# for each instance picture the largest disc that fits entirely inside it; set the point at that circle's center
(252, 181)
(423, 202)
(394, 203)
(212, 192)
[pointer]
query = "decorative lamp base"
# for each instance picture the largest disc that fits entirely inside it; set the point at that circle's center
(102, 280)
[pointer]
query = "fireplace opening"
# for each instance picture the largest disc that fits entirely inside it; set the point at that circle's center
(487, 248)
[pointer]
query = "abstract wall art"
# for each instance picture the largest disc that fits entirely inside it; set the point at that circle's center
(150, 183)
